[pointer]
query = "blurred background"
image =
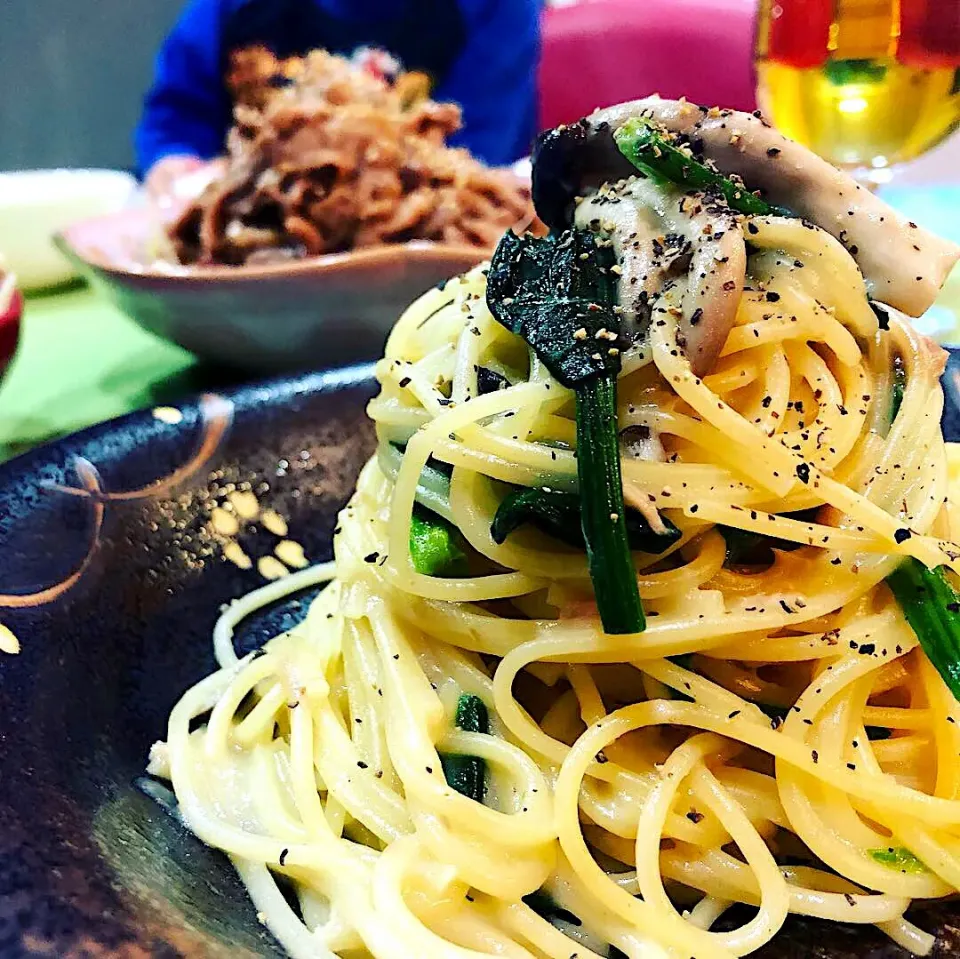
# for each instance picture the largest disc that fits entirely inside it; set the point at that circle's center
(88, 66)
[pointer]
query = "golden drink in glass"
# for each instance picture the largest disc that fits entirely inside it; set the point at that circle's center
(864, 83)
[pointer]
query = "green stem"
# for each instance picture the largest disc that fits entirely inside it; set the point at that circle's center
(649, 149)
(603, 515)
(435, 545)
(898, 857)
(931, 606)
(468, 774)
(899, 385)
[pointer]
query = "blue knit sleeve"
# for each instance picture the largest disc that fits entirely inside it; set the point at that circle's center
(495, 79)
(187, 109)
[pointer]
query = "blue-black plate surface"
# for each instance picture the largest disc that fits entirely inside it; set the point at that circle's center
(89, 864)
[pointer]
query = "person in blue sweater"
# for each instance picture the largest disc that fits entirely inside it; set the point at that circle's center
(482, 54)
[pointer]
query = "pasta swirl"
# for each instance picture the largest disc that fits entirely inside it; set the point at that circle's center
(775, 737)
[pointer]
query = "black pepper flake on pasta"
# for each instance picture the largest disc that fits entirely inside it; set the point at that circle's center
(773, 297)
(766, 401)
(734, 714)
(694, 816)
(849, 898)
(851, 765)
(601, 757)
(814, 755)
(371, 557)
(752, 228)
(361, 764)
(773, 152)
(283, 856)
(836, 561)
(785, 607)
(902, 535)
(868, 649)
(803, 472)
(404, 382)
(429, 769)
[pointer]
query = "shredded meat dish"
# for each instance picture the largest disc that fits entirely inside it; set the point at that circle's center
(324, 157)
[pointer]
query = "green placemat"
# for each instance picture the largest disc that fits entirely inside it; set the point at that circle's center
(81, 361)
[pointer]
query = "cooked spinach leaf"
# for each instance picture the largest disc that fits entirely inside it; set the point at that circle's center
(559, 294)
(558, 514)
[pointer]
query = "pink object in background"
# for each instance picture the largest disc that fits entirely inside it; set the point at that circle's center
(605, 51)
(11, 312)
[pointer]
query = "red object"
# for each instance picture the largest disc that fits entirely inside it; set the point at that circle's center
(930, 34)
(798, 32)
(606, 51)
(10, 329)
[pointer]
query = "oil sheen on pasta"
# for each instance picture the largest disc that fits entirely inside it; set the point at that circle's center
(685, 764)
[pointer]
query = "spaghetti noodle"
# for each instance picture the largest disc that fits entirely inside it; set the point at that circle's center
(775, 737)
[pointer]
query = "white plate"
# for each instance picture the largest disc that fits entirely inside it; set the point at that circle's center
(36, 204)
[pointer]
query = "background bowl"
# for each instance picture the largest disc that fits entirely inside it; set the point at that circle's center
(91, 864)
(36, 204)
(310, 313)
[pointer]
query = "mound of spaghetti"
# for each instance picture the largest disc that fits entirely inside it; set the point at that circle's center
(642, 632)
(325, 156)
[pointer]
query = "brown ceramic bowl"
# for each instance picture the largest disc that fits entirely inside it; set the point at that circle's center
(317, 312)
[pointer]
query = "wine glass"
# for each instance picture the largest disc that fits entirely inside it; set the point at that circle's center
(866, 84)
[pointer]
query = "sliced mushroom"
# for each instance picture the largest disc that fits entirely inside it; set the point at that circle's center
(569, 162)
(903, 264)
(678, 252)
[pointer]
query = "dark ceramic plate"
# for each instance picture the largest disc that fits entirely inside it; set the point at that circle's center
(90, 865)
